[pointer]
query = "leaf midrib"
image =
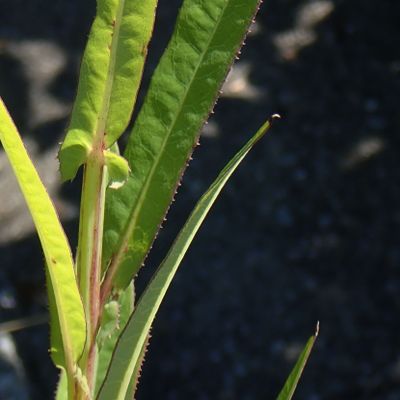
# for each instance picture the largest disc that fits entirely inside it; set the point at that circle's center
(136, 210)
(103, 116)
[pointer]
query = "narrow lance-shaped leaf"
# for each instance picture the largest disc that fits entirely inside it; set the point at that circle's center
(207, 36)
(110, 76)
(132, 340)
(292, 381)
(68, 320)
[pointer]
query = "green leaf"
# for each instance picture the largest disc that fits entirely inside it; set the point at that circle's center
(117, 168)
(110, 76)
(137, 372)
(62, 387)
(109, 321)
(114, 318)
(67, 315)
(185, 85)
(289, 388)
(132, 340)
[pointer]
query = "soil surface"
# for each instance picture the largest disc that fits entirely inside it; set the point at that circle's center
(307, 230)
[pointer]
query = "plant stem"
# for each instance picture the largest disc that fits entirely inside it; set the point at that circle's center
(90, 250)
(92, 219)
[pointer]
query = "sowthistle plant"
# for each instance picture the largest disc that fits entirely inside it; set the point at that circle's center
(98, 332)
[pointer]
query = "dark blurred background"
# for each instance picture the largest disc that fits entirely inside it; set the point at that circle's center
(307, 230)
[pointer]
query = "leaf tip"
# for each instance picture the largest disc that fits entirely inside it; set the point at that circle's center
(73, 154)
(274, 117)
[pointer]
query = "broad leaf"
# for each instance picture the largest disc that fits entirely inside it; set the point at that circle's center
(132, 340)
(67, 315)
(182, 92)
(110, 75)
(289, 388)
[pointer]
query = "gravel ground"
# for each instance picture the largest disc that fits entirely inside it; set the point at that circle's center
(307, 230)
